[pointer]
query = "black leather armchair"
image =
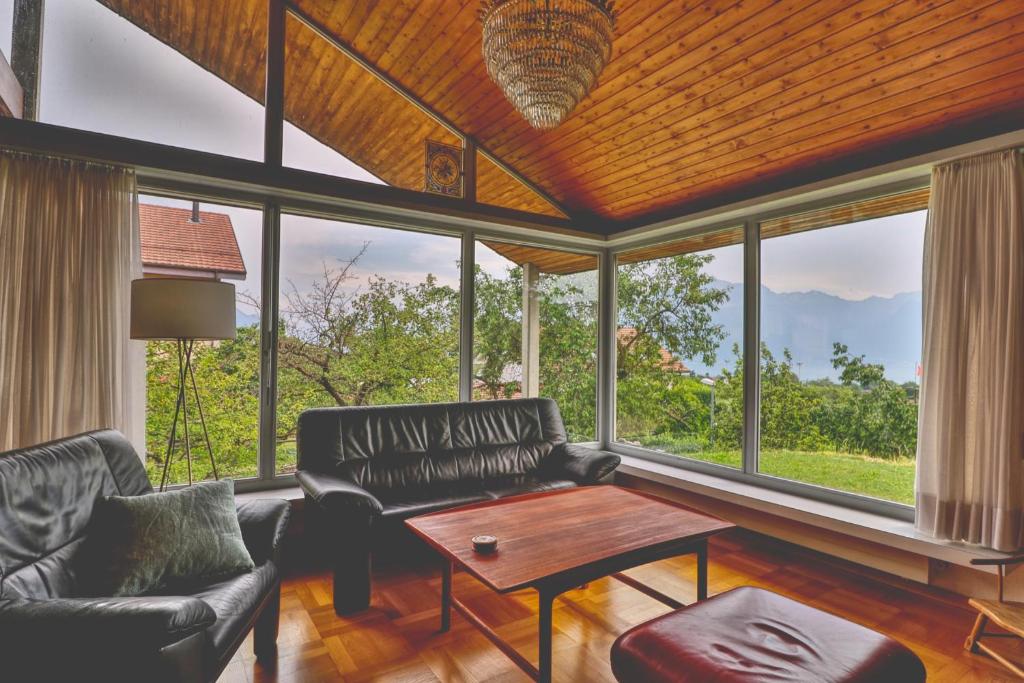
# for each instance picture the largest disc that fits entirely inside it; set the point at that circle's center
(52, 630)
(365, 470)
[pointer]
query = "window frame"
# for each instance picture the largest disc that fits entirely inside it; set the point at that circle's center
(325, 208)
(751, 220)
(478, 238)
(268, 185)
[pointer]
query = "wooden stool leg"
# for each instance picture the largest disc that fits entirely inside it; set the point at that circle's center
(972, 640)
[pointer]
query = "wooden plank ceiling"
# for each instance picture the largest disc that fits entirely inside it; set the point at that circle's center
(550, 261)
(702, 100)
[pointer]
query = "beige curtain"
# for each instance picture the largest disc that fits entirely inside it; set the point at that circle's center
(68, 251)
(970, 476)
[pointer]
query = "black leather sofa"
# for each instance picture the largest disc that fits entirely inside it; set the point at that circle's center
(52, 630)
(365, 470)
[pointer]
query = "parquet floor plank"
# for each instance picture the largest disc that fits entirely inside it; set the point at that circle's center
(396, 640)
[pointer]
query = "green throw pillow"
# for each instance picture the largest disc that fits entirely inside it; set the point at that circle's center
(159, 541)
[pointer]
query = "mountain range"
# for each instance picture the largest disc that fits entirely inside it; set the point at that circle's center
(885, 330)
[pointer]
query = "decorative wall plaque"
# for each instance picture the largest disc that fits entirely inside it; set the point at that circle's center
(444, 169)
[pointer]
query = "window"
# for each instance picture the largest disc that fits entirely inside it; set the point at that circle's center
(840, 346)
(185, 240)
(551, 351)
(105, 73)
(368, 316)
(679, 348)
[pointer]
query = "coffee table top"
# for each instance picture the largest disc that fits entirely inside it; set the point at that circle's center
(544, 534)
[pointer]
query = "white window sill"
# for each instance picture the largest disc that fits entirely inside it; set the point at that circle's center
(289, 493)
(886, 531)
(894, 533)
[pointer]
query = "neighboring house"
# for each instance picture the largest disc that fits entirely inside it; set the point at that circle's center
(188, 243)
(668, 361)
(513, 373)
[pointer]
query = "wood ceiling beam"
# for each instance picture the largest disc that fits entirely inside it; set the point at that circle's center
(260, 181)
(273, 105)
(382, 76)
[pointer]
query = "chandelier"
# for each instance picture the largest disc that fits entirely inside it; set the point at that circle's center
(546, 55)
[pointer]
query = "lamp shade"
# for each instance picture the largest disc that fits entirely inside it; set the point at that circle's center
(168, 308)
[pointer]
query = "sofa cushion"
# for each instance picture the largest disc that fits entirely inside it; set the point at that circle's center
(47, 493)
(490, 423)
(529, 486)
(421, 505)
(435, 500)
(139, 544)
(467, 466)
(329, 436)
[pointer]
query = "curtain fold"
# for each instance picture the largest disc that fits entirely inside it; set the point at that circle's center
(970, 474)
(68, 251)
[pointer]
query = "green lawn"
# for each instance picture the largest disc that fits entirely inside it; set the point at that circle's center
(875, 477)
(862, 474)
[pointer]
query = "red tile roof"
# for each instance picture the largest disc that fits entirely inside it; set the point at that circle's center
(171, 240)
(668, 361)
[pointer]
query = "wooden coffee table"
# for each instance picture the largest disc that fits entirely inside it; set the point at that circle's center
(558, 540)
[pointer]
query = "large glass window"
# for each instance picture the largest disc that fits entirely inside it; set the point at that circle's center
(368, 316)
(840, 347)
(679, 343)
(535, 329)
(211, 242)
(116, 74)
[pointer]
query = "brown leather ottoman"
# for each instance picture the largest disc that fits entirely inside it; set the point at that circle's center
(750, 634)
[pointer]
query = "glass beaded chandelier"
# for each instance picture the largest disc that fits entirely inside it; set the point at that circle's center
(546, 55)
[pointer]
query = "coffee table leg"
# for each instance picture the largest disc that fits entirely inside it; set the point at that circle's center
(544, 628)
(446, 596)
(702, 571)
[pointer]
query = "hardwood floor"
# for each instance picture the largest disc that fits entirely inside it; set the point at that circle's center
(397, 639)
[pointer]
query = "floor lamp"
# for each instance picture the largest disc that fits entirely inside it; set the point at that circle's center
(183, 311)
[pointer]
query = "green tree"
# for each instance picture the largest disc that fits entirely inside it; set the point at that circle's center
(854, 371)
(880, 416)
(670, 303)
(390, 342)
(497, 331)
(568, 353)
(667, 304)
(568, 344)
(227, 377)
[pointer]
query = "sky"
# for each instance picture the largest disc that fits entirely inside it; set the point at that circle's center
(101, 73)
(881, 257)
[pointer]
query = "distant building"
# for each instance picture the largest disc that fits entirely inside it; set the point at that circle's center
(668, 361)
(512, 373)
(188, 243)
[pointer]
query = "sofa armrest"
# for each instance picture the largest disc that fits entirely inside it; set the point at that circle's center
(263, 522)
(101, 624)
(583, 465)
(334, 494)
